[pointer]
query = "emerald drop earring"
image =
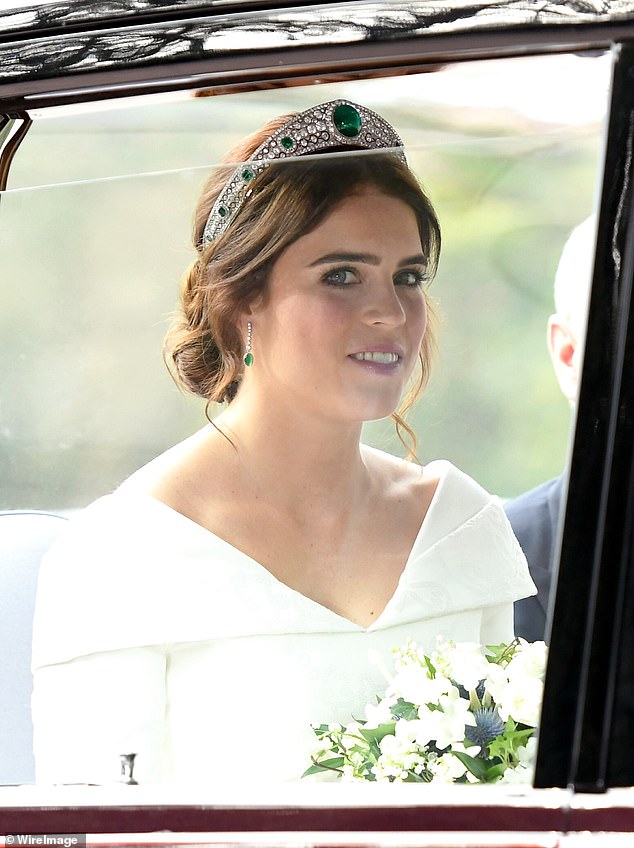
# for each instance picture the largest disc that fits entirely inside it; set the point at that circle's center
(248, 355)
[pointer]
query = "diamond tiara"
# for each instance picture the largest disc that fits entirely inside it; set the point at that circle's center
(338, 123)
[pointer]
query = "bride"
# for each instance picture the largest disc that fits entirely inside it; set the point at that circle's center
(228, 594)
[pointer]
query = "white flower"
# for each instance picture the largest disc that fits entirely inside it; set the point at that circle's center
(528, 753)
(467, 664)
(529, 661)
(408, 654)
(350, 775)
(496, 681)
(350, 736)
(446, 768)
(413, 684)
(519, 774)
(407, 731)
(446, 725)
(513, 687)
(356, 759)
(517, 689)
(397, 757)
(522, 700)
(380, 713)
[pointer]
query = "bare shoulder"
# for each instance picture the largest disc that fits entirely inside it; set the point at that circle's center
(174, 476)
(401, 478)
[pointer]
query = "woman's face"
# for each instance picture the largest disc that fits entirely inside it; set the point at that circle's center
(340, 327)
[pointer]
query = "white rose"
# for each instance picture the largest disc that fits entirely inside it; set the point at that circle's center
(413, 684)
(467, 664)
(446, 725)
(529, 660)
(522, 700)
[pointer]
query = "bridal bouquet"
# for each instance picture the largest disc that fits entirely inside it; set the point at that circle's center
(464, 713)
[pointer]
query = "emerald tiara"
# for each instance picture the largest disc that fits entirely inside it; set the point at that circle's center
(338, 123)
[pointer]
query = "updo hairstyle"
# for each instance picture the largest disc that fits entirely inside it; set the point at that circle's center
(287, 200)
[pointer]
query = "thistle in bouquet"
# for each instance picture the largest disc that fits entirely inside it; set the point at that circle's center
(463, 713)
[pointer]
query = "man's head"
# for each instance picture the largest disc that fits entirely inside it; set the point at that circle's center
(567, 326)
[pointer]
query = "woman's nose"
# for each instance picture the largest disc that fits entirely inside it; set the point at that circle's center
(383, 305)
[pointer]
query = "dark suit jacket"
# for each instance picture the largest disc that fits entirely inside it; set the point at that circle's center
(535, 518)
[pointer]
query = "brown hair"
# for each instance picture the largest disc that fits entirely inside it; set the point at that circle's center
(287, 200)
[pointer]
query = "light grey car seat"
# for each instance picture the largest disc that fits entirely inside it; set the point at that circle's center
(25, 536)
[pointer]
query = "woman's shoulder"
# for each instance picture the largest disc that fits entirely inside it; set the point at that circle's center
(163, 470)
(440, 475)
(126, 537)
(454, 506)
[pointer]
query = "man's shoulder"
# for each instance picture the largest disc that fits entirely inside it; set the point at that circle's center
(535, 499)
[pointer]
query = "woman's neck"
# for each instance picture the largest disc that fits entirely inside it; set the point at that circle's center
(302, 461)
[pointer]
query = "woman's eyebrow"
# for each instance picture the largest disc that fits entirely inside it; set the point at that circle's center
(367, 258)
(417, 259)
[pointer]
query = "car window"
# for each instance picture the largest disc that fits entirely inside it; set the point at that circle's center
(96, 221)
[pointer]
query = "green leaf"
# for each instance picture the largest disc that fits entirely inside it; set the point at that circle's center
(486, 771)
(333, 764)
(430, 667)
(313, 770)
(495, 772)
(501, 654)
(412, 777)
(374, 750)
(319, 731)
(476, 765)
(405, 709)
(375, 734)
(505, 746)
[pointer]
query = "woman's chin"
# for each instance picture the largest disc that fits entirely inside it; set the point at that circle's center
(377, 410)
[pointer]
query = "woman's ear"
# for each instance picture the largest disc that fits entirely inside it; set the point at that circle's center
(257, 303)
(245, 315)
(565, 355)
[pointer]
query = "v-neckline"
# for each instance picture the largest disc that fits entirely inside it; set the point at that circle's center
(266, 574)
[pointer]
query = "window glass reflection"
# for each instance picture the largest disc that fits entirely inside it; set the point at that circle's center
(510, 180)
(100, 242)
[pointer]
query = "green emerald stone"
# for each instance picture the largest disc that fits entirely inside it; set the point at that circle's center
(287, 142)
(247, 174)
(347, 120)
(223, 211)
(248, 359)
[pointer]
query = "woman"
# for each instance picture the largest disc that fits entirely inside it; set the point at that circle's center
(228, 594)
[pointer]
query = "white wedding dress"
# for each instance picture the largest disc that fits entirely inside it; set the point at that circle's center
(154, 636)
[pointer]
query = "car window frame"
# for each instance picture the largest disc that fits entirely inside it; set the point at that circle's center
(593, 600)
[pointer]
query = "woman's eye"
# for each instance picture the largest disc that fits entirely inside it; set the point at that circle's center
(410, 278)
(341, 277)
